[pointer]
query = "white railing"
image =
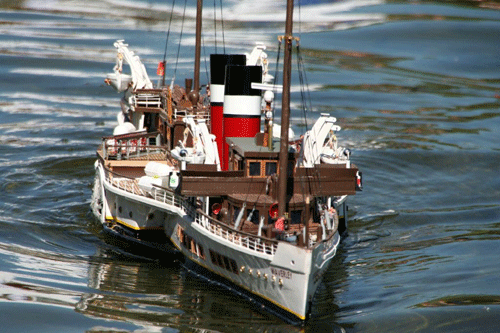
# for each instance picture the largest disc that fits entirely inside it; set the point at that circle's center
(126, 184)
(148, 100)
(200, 114)
(166, 196)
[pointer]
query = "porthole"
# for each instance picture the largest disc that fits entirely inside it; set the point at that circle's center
(120, 209)
(130, 214)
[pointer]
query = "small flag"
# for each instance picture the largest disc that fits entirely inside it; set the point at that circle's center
(161, 68)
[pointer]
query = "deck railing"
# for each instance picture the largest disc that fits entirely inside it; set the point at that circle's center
(130, 145)
(215, 227)
(126, 184)
(151, 100)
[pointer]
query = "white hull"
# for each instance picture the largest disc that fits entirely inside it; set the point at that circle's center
(276, 273)
(287, 279)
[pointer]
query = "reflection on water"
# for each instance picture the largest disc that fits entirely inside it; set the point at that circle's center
(157, 294)
(460, 300)
(145, 294)
(12, 4)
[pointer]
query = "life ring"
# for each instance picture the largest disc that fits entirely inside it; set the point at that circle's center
(273, 210)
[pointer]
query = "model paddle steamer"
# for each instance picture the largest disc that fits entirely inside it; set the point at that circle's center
(194, 169)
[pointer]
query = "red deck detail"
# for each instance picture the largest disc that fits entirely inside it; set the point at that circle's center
(217, 125)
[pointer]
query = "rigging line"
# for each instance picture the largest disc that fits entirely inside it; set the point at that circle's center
(304, 88)
(168, 31)
(301, 79)
(300, 20)
(301, 72)
(307, 100)
(222, 23)
(180, 40)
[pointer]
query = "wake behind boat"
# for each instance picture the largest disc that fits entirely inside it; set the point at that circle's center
(192, 169)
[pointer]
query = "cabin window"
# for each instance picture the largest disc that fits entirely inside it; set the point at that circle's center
(254, 169)
(234, 268)
(223, 262)
(271, 168)
(237, 162)
(186, 241)
(189, 243)
(180, 234)
(193, 246)
(236, 212)
(296, 217)
(220, 261)
(201, 254)
(198, 250)
(226, 263)
(255, 216)
(261, 168)
(213, 257)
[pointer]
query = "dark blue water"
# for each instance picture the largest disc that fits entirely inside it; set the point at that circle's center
(415, 86)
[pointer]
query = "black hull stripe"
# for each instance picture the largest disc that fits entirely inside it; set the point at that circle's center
(240, 116)
(140, 247)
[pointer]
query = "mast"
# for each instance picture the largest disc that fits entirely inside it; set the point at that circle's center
(285, 112)
(195, 93)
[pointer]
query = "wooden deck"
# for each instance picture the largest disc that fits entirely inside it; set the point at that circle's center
(134, 166)
(158, 156)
